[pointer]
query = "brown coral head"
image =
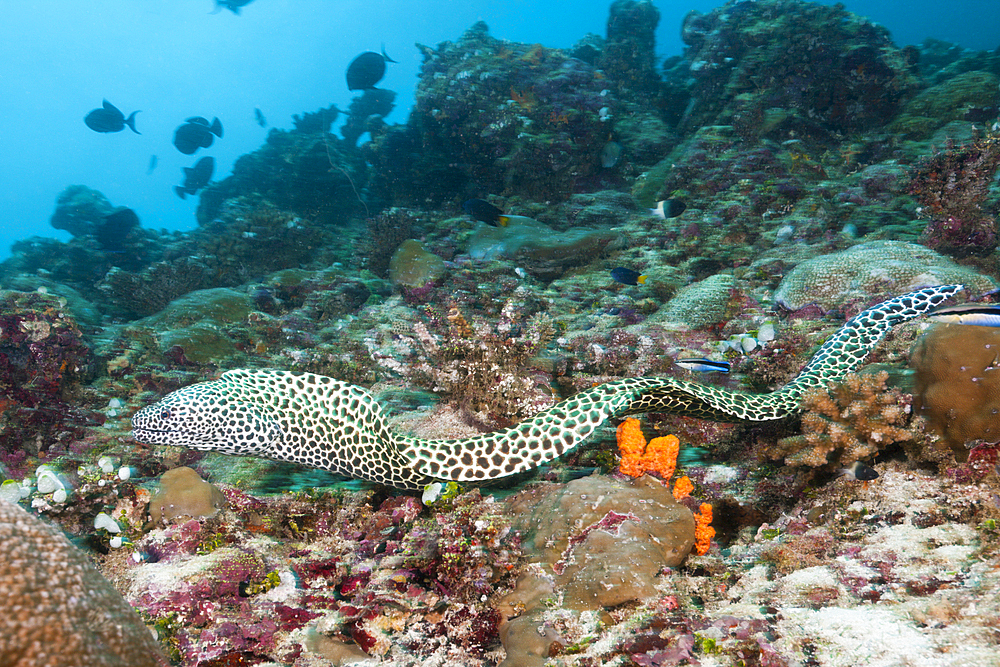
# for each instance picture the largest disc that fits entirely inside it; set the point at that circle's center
(958, 384)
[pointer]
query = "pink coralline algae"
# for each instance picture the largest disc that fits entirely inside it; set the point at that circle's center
(237, 585)
(951, 185)
(43, 357)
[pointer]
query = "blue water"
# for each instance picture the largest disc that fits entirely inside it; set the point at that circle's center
(174, 59)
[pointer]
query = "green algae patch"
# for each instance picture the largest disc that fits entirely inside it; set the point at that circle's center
(543, 252)
(411, 266)
(196, 322)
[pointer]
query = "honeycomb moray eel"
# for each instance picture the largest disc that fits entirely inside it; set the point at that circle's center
(320, 422)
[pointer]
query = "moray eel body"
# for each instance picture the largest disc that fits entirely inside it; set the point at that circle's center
(320, 422)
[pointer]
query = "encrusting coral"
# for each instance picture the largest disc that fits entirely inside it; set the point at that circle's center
(58, 610)
(849, 421)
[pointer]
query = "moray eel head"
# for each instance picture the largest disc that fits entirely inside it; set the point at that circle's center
(203, 417)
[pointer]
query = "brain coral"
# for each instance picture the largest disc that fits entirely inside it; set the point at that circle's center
(699, 304)
(872, 269)
(58, 609)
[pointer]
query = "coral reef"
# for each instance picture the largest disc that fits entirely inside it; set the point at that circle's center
(58, 610)
(849, 421)
(956, 389)
(411, 266)
(822, 67)
(480, 368)
(524, 119)
(43, 360)
(328, 174)
(820, 167)
(184, 494)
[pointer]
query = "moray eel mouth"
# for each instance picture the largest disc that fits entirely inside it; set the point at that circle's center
(321, 422)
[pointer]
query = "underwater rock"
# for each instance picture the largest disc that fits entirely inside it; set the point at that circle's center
(604, 540)
(868, 270)
(366, 113)
(43, 361)
(946, 102)
(628, 55)
(411, 266)
(540, 250)
(955, 388)
(198, 323)
(80, 209)
(184, 494)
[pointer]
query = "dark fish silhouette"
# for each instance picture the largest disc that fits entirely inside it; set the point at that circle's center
(111, 233)
(366, 70)
(627, 276)
(483, 211)
(669, 208)
(109, 119)
(259, 117)
(232, 5)
(196, 177)
(196, 133)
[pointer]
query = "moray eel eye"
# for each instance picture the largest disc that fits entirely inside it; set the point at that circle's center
(165, 414)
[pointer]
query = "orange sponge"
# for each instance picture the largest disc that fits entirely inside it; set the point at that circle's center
(703, 531)
(683, 487)
(638, 458)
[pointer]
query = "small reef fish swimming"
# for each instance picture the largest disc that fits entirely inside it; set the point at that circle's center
(668, 208)
(483, 211)
(196, 177)
(610, 154)
(703, 365)
(109, 119)
(232, 5)
(627, 276)
(153, 161)
(259, 117)
(366, 70)
(860, 472)
(980, 315)
(196, 133)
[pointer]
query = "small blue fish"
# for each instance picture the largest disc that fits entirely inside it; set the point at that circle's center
(703, 365)
(627, 276)
(975, 314)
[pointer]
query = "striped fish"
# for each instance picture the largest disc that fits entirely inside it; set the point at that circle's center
(703, 365)
(976, 314)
